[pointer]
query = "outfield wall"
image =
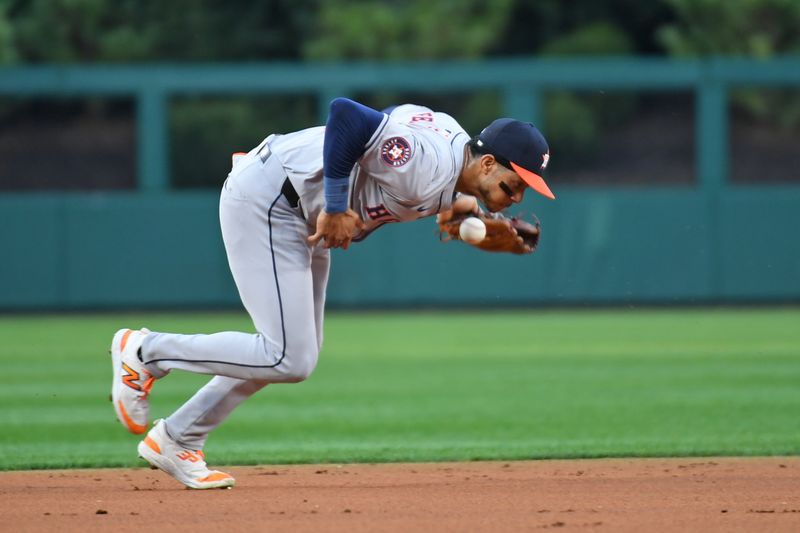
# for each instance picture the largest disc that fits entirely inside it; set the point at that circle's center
(599, 246)
(155, 247)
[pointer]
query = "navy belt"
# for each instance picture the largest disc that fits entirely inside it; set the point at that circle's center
(291, 195)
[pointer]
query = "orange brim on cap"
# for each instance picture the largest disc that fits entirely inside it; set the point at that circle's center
(534, 180)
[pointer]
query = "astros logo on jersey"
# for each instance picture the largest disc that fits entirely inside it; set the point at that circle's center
(396, 152)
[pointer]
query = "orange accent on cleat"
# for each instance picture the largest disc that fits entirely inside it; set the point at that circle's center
(124, 340)
(147, 385)
(186, 455)
(152, 444)
(132, 426)
(186, 466)
(131, 377)
(218, 476)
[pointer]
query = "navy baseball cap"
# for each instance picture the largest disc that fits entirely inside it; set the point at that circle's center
(521, 147)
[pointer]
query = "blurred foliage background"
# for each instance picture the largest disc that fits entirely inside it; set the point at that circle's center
(203, 129)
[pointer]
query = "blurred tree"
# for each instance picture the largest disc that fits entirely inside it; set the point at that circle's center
(406, 29)
(753, 28)
(592, 39)
(537, 24)
(57, 31)
(152, 30)
(414, 30)
(7, 51)
(743, 28)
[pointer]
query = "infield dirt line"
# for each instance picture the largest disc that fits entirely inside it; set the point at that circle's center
(684, 494)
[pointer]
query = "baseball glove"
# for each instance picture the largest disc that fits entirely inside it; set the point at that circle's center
(503, 234)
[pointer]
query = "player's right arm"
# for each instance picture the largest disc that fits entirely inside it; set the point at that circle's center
(348, 131)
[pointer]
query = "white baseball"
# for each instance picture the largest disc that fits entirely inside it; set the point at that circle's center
(472, 230)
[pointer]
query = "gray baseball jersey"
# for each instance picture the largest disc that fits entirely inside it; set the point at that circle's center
(409, 170)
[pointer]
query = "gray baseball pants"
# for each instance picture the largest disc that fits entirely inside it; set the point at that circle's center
(281, 282)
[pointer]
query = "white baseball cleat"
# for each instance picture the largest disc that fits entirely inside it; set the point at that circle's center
(132, 382)
(187, 466)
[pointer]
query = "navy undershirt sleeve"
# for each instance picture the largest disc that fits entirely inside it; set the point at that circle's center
(349, 128)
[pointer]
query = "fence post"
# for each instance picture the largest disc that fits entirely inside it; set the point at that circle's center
(712, 135)
(523, 102)
(712, 166)
(152, 140)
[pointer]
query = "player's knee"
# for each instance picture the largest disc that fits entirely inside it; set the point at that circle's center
(288, 364)
(299, 367)
(299, 361)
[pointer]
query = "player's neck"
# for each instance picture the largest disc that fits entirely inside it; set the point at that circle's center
(467, 178)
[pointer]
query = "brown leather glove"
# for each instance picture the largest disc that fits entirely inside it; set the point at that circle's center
(503, 234)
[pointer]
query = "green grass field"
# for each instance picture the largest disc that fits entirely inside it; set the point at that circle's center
(434, 386)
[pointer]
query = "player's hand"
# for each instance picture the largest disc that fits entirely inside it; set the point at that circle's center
(336, 229)
(464, 205)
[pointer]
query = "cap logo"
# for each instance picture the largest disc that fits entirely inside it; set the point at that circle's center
(396, 152)
(545, 160)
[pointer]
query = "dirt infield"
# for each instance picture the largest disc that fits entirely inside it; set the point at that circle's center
(724, 494)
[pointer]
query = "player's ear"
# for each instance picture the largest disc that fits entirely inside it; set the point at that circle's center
(488, 163)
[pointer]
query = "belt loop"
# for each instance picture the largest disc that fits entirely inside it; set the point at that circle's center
(264, 152)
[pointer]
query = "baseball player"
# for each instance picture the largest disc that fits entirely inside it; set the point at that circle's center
(282, 207)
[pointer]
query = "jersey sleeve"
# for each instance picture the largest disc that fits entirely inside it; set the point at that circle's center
(409, 162)
(349, 129)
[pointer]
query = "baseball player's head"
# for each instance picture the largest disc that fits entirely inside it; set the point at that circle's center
(511, 156)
